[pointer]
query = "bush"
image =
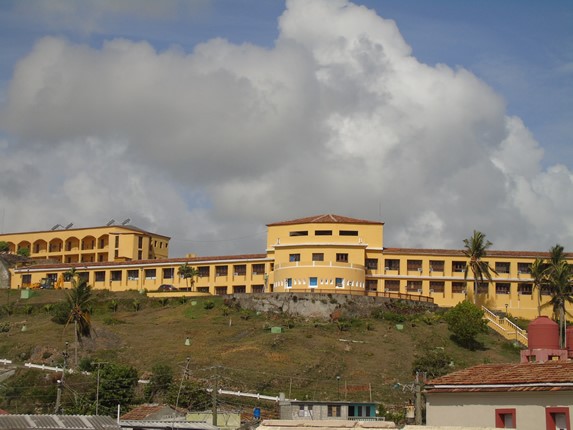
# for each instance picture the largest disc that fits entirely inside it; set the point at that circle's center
(60, 313)
(433, 363)
(466, 321)
(208, 304)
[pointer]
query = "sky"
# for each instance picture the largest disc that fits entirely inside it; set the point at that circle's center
(206, 120)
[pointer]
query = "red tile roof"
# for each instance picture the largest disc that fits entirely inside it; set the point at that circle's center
(143, 411)
(325, 219)
(460, 252)
(549, 376)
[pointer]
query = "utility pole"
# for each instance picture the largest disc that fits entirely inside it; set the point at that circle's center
(214, 397)
(183, 377)
(418, 390)
(61, 381)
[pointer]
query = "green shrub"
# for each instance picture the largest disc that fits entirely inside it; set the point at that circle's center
(209, 304)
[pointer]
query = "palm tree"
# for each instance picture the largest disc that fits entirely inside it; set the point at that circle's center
(559, 279)
(475, 249)
(537, 271)
(189, 273)
(78, 299)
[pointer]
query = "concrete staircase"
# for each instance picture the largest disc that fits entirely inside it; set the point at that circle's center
(505, 327)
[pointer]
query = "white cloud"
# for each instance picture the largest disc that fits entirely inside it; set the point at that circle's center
(212, 144)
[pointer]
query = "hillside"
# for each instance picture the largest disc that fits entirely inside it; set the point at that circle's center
(302, 361)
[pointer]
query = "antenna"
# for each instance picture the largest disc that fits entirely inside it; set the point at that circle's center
(69, 225)
(110, 222)
(126, 221)
(55, 227)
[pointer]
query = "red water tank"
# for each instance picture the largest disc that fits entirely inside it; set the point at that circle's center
(543, 333)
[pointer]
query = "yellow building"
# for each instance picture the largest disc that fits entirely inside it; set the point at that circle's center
(88, 245)
(326, 253)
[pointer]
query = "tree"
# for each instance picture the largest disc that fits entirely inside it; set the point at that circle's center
(116, 386)
(78, 300)
(160, 381)
(475, 249)
(24, 252)
(4, 247)
(466, 321)
(559, 278)
(433, 362)
(537, 271)
(189, 273)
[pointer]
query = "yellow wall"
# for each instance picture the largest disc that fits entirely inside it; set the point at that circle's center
(294, 260)
(89, 245)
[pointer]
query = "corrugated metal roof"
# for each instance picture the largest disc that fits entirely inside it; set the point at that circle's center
(159, 425)
(58, 422)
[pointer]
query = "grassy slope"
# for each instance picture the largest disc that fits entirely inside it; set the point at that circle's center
(238, 346)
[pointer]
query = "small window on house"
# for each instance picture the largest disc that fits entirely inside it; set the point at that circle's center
(436, 287)
(392, 264)
(239, 289)
(523, 268)
(317, 256)
(414, 265)
(501, 288)
(525, 289)
(458, 266)
(203, 271)
(323, 233)
(140, 242)
(133, 274)
(502, 267)
(26, 279)
(100, 276)
(372, 263)
(116, 241)
(168, 273)
(221, 270)
(116, 275)
(436, 265)
(313, 282)
(505, 418)
(220, 291)
(348, 233)
(414, 286)
(333, 410)
(339, 283)
(392, 285)
(294, 257)
(288, 283)
(459, 287)
(139, 255)
(342, 258)
(298, 233)
(483, 288)
(150, 273)
(258, 269)
(558, 418)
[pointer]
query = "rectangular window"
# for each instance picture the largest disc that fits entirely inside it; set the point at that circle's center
(483, 288)
(372, 263)
(150, 273)
(100, 276)
(392, 285)
(116, 275)
(294, 257)
(221, 270)
(26, 280)
(436, 287)
(414, 286)
(523, 268)
(557, 418)
(348, 233)
(501, 288)
(342, 257)
(203, 271)
(459, 287)
(505, 419)
(140, 255)
(333, 410)
(258, 289)
(133, 274)
(239, 289)
(525, 289)
(298, 233)
(339, 283)
(258, 269)
(458, 266)
(436, 265)
(323, 233)
(240, 269)
(392, 264)
(203, 289)
(220, 291)
(117, 241)
(313, 282)
(317, 256)
(288, 283)
(140, 242)
(502, 267)
(371, 285)
(168, 273)
(414, 265)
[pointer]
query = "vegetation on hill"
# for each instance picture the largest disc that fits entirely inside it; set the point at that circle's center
(237, 349)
